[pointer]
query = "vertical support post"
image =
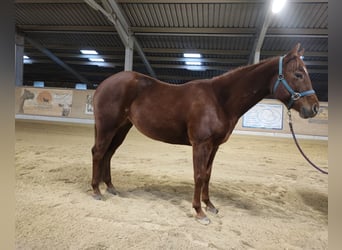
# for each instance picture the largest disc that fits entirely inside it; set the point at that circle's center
(129, 54)
(257, 55)
(19, 59)
(261, 33)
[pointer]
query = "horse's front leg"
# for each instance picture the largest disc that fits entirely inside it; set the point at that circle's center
(97, 173)
(102, 142)
(201, 157)
(205, 190)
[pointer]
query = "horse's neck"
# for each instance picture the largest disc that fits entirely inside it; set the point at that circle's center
(244, 87)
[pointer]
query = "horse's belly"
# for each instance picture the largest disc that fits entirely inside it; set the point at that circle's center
(165, 135)
(162, 128)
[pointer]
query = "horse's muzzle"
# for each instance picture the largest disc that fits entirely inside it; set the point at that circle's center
(309, 111)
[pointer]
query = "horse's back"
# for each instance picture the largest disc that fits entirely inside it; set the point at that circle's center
(123, 85)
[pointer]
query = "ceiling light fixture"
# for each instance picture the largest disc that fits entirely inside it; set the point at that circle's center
(192, 55)
(278, 5)
(96, 59)
(89, 52)
(195, 68)
(193, 63)
(27, 60)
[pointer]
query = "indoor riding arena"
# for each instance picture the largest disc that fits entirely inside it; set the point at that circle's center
(269, 194)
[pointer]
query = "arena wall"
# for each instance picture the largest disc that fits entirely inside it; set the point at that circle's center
(269, 117)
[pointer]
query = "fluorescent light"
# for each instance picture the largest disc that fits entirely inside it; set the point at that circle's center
(27, 60)
(96, 59)
(89, 52)
(278, 5)
(192, 55)
(195, 68)
(193, 63)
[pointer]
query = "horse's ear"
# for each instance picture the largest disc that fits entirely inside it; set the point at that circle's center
(301, 52)
(295, 49)
(294, 52)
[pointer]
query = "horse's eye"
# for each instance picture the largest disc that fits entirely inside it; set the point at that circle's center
(299, 75)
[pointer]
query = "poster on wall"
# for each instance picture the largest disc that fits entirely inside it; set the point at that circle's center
(89, 105)
(50, 102)
(265, 116)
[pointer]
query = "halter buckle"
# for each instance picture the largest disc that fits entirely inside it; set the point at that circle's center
(280, 77)
(296, 96)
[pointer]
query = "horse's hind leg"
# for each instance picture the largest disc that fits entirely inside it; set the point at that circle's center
(117, 140)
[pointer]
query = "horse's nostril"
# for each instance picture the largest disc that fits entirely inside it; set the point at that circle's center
(315, 108)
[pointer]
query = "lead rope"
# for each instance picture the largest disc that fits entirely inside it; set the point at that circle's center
(299, 148)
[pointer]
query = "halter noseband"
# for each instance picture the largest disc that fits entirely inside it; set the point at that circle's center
(294, 95)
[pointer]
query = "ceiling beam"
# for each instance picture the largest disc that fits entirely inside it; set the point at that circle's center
(168, 66)
(48, 1)
(213, 1)
(116, 17)
(218, 32)
(55, 59)
(76, 62)
(297, 31)
(161, 30)
(260, 35)
(37, 56)
(188, 1)
(113, 18)
(169, 31)
(150, 58)
(119, 50)
(66, 28)
(136, 44)
(165, 1)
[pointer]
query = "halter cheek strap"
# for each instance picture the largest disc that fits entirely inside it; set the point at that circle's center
(294, 95)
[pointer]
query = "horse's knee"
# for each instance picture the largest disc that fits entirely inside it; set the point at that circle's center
(200, 179)
(98, 153)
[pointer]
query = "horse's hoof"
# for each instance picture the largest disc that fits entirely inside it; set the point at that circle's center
(212, 210)
(97, 197)
(112, 191)
(203, 220)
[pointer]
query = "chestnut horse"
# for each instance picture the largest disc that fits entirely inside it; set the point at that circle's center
(200, 113)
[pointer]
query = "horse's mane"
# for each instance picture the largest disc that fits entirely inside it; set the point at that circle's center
(246, 68)
(233, 72)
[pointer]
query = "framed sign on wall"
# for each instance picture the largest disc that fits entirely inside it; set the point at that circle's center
(265, 116)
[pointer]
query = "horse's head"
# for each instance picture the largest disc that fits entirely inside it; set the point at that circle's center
(293, 85)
